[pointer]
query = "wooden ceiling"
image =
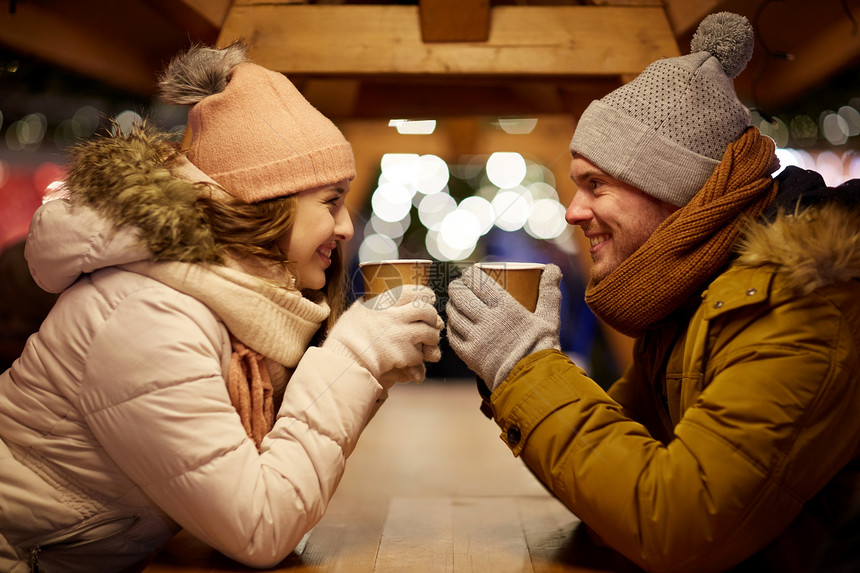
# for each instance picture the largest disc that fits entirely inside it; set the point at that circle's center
(436, 58)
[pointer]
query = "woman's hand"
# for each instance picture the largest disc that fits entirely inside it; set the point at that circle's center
(391, 335)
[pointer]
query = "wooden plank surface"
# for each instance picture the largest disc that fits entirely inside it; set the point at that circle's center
(384, 40)
(430, 488)
(440, 534)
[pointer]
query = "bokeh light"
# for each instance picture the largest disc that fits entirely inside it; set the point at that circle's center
(786, 157)
(852, 119)
(481, 209)
(400, 167)
(440, 249)
(460, 229)
(27, 133)
(377, 247)
(127, 119)
(391, 201)
(432, 174)
(804, 130)
(518, 125)
(433, 209)
(393, 229)
(505, 169)
(512, 208)
(413, 127)
(776, 130)
(834, 128)
(541, 190)
(853, 170)
(829, 165)
(546, 220)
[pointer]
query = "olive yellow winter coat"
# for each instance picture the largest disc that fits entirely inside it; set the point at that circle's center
(735, 433)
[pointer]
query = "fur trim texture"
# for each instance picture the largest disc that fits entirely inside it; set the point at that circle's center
(127, 180)
(200, 72)
(817, 247)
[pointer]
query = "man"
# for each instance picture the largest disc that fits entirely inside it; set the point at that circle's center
(734, 434)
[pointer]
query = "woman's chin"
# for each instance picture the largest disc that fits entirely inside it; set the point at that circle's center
(314, 283)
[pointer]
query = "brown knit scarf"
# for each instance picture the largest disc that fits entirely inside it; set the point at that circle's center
(251, 391)
(691, 244)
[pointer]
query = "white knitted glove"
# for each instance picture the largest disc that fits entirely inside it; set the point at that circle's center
(391, 335)
(491, 332)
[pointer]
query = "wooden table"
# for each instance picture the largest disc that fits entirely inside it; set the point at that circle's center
(429, 488)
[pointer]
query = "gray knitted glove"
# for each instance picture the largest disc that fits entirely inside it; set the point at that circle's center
(491, 332)
(391, 335)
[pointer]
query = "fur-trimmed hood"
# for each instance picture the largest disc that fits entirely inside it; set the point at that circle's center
(133, 182)
(130, 198)
(811, 234)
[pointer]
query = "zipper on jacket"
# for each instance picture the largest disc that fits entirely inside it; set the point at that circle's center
(34, 559)
(77, 536)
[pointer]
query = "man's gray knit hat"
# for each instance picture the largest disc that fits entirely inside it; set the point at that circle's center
(666, 131)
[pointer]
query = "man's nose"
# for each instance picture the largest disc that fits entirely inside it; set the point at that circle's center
(579, 210)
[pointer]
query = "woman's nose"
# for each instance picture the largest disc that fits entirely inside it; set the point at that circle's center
(343, 225)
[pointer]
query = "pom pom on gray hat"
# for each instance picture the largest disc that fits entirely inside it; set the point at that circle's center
(728, 37)
(665, 131)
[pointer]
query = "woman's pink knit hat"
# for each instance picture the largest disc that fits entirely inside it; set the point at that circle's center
(252, 131)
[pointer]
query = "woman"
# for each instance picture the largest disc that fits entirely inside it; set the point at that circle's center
(155, 396)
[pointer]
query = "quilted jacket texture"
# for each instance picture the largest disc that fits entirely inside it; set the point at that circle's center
(116, 428)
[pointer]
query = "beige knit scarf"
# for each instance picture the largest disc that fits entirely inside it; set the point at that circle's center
(692, 244)
(266, 323)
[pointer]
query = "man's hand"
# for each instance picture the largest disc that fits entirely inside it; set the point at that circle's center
(491, 332)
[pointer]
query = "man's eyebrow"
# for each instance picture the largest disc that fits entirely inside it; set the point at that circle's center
(588, 175)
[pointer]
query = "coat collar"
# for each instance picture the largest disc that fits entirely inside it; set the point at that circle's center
(811, 234)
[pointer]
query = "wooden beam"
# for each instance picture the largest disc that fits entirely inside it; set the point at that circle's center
(335, 98)
(829, 46)
(685, 15)
(625, 2)
(201, 19)
(211, 11)
(455, 20)
(385, 40)
(77, 43)
(415, 99)
(128, 52)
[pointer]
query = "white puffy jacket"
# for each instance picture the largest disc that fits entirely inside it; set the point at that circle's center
(116, 428)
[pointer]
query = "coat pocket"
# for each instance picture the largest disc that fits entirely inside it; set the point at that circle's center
(93, 530)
